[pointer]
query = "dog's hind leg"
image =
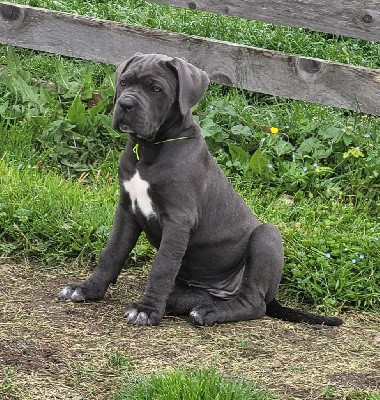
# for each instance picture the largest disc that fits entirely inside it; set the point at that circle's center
(185, 298)
(260, 284)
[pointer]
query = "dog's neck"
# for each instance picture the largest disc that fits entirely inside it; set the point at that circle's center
(136, 147)
(175, 127)
(177, 131)
(169, 130)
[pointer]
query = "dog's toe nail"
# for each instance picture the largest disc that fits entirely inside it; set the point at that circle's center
(130, 315)
(196, 318)
(142, 319)
(136, 318)
(65, 293)
(78, 295)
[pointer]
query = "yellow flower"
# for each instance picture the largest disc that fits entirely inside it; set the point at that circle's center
(274, 130)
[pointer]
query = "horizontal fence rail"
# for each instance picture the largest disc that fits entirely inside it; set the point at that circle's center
(353, 18)
(246, 67)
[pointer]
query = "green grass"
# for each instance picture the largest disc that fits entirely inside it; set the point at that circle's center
(190, 385)
(47, 216)
(44, 216)
(58, 168)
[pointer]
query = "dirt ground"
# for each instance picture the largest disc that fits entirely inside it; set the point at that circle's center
(51, 349)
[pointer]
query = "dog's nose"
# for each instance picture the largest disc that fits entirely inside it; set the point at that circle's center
(127, 103)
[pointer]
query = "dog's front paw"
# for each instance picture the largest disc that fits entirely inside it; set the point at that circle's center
(79, 292)
(204, 316)
(140, 314)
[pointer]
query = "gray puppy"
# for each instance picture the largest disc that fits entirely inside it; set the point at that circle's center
(216, 262)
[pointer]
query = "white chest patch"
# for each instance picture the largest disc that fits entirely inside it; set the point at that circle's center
(137, 189)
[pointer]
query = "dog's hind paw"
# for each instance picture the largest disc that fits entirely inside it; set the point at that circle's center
(196, 318)
(203, 316)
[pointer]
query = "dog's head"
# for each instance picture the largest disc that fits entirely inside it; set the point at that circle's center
(153, 90)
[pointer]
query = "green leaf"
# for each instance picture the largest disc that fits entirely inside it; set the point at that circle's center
(3, 108)
(87, 86)
(331, 133)
(28, 93)
(282, 147)
(237, 153)
(230, 110)
(309, 145)
(99, 108)
(241, 130)
(77, 113)
(322, 153)
(13, 62)
(259, 162)
(210, 129)
(62, 78)
(347, 139)
(309, 148)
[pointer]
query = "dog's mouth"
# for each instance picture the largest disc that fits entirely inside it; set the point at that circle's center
(135, 124)
(124, 128)
(127, 129)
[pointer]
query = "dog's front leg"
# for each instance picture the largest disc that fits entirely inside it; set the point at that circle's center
(150, 309)
(123, 237)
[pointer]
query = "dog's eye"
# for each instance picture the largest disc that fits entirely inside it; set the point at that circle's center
(156, 89)
(123, 83)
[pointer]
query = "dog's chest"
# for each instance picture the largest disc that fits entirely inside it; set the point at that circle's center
(138, 191)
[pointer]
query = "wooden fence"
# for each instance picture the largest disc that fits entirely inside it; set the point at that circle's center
(247, 67)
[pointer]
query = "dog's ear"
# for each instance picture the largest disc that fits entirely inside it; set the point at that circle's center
(192, 81)
(121, 68)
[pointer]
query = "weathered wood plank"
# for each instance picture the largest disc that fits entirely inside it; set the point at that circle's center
(246, 67)
(354, 18)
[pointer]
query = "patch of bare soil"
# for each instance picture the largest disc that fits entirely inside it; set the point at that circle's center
(51, 349)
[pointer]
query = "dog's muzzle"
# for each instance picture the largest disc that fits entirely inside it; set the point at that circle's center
(124, 113)
(127, 103)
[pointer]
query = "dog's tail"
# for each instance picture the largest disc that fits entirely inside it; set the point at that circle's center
(276, 310)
